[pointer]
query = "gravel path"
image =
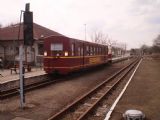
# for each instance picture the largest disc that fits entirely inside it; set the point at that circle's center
(143, 92)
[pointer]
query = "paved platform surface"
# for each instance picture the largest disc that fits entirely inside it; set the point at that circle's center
(7, 76)
(143, 93)
(120, 57)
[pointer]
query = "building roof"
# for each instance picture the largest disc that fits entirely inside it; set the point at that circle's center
(11, 32)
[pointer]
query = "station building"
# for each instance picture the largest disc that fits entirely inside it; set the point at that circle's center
(9, 44)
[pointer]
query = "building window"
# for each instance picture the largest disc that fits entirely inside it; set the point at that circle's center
(40, 49)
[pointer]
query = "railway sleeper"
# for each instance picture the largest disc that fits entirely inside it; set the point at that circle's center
(88, 104)
(94, 98)
(100, 111)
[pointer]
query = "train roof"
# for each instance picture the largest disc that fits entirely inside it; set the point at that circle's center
(75, 39)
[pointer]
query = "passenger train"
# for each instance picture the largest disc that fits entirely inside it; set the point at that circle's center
(64, 55)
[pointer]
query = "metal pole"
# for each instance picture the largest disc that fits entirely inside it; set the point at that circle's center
(19, 30)
(26, 54)
(85, 31)
(21, 71)
(21, 76)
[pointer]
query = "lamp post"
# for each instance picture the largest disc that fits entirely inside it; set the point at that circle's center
(85, 31)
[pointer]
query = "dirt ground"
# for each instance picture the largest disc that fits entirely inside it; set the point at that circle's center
(143, 93)
(44, 102)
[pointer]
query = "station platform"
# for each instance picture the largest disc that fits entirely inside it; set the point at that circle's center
(142, 93)
(11, 81)
(6, 75)
(120, 58)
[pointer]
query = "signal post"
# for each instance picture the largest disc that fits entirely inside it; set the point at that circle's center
(28, 41)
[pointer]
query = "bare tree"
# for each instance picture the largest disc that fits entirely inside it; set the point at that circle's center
(156, 42)
(12, 24)
(101, 38)
(156, 45)
(96, 36)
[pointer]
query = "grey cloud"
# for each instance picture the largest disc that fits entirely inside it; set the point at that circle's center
(154, 20)
(142, 7)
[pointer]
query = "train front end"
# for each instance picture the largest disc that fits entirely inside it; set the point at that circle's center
(55, 50)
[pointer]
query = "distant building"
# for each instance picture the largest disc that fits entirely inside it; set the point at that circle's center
(119, 49)
(9, 44)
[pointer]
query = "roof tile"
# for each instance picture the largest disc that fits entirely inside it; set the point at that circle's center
(11, 32)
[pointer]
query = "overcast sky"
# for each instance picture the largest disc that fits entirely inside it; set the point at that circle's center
(134, 22)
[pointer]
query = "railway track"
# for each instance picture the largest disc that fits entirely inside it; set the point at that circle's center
(15, 91)
(82, 106)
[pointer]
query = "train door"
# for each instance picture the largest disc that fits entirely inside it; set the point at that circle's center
(56, 52)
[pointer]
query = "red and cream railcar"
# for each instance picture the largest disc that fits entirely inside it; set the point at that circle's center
(64, 55)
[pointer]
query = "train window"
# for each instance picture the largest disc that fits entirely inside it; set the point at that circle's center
(57, 47)
(97, 50)
(91, 51)
(87, 50)
(100, 51)
(106, 50)
(73, 49)
(79, 51)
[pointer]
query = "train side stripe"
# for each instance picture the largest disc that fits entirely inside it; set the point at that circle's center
(77, 56)
(78, 65)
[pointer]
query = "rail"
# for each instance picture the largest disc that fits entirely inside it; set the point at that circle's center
(9, 93)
